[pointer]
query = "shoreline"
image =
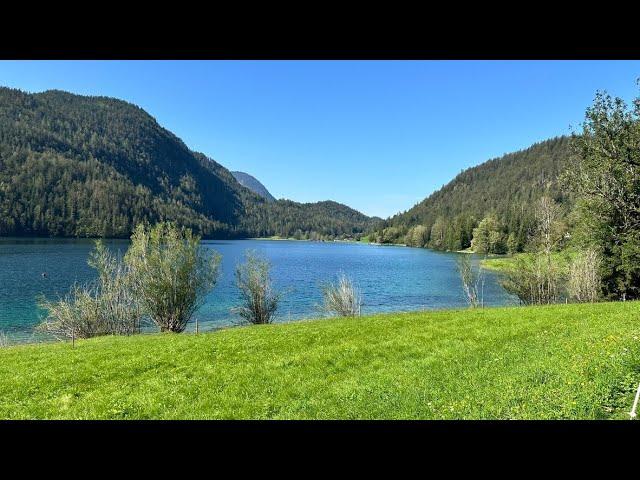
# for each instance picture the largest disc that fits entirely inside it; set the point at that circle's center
(279, 239)
(224, 326)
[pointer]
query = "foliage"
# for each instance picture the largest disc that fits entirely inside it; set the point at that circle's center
(417, 236)
(585, 283)
(574, 361)
(535, 280)
(342, 298)
(504, 187)
(259, 300)
(106, 306)
(540, 279)
(472, 281)
(605, 176)
(488, 237)
(550, 229)
(512, 244)
(74, 165)
(173, 273)
(325, 220)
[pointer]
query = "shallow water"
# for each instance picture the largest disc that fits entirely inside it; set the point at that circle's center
(391, 278)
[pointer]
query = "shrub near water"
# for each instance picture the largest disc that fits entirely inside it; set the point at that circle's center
(584, 284)
(343, 298)
(472, 281)
(259, 300)
(107, 306)
(172, 273)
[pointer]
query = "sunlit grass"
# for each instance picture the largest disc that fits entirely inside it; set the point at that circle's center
(568, 361)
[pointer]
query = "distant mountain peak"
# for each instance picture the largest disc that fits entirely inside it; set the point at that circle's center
(254, 185)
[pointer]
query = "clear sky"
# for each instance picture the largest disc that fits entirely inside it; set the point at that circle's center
(376, 135)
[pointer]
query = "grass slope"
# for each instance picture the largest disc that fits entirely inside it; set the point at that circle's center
(568, 361)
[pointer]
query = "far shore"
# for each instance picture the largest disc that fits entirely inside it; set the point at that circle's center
(305, 240)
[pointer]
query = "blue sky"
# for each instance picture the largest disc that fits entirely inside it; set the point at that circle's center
(376, 135)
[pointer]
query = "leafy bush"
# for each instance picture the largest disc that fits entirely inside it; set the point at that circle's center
(488, 237)
(172, 273)
(342, 298)
(259, 300)
(107, 306)
(417, 236)
(535, 280)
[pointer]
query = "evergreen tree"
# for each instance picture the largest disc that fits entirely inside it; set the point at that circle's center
(605, 175)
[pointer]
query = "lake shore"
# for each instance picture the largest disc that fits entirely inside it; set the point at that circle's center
(290, 239)
(299, 267)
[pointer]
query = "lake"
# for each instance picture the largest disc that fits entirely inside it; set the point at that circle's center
(391, 278)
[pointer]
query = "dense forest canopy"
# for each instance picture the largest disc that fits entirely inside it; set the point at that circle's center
(500, 190)
(76, 165)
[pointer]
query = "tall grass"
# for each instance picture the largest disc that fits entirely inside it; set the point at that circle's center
(342, 298)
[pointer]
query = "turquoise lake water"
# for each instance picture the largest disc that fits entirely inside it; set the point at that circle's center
(391, 278)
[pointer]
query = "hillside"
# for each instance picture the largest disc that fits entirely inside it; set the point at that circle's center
(555, 362)
(75, 165)
(254, 185)
(507, 186)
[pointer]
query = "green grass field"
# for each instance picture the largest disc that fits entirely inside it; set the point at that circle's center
(565, 362)
(504, 263)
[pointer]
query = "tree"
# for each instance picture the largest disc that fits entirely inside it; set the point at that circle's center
(605, 176)
(512, 243)
(540, 279)
(173, 273)
(585, 284)
(390, 235)
(487, 236)
(549, 229)
(472, 281)
(507, 187)
(73, 165)
(417, 236)
(438, 233)
(259, 300)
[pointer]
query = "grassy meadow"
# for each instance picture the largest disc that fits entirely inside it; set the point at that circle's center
(552, 362)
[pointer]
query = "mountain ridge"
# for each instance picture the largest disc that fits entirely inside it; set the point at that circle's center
(93, 166)
(253, 184)
(505, 186)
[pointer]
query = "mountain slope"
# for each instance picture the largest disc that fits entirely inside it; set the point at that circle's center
(74, 165)
(319, 220)
(506, 186)
(254, 185)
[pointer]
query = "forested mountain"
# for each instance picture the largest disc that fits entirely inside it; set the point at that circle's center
(253, 184)
(320, 220)
(503, 188)
(74, 165)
